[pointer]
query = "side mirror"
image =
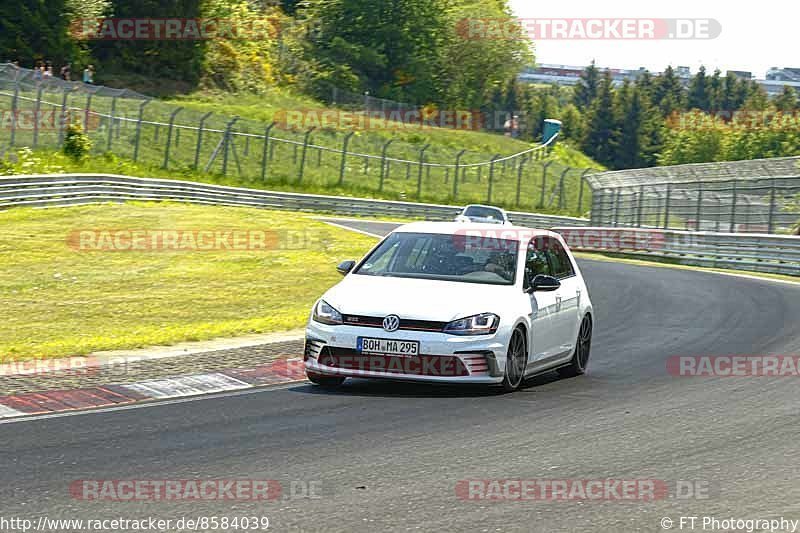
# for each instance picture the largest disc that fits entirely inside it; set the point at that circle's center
(345, 267)
(543, 283)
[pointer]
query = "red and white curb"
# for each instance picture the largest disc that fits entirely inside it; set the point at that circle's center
(281, 371)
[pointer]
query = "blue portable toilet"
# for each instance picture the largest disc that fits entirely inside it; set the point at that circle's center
(550, 129)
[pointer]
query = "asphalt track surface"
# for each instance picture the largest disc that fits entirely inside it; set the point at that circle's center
(388, 456)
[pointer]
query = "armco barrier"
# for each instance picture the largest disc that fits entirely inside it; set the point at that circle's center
(744, 251)
(778, 254)
(52, 190)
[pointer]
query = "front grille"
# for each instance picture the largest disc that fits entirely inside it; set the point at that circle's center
(312, 348)
(418, 365)
(407, 324)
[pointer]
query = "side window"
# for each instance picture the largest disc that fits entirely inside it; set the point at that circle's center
(536, 260)
(559, 260)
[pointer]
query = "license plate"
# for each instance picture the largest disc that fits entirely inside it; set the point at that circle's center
(387, 346)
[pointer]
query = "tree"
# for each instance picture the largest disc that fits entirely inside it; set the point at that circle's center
(179, 61)
(668, 92)
(699, 97)
(586, 88)
(731, 94)
(600, 124)
(786, 102)
(36, 30)
(757, 99)
(715, 92)
(412, 50)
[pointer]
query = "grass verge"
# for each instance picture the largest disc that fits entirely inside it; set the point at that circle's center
(59, 301)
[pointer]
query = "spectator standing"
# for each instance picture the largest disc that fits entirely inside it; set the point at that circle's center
(88, 74)
(65, 72)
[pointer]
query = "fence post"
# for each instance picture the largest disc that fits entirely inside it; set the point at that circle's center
(169, 136)
(88, 109)
(306, 137)
(771, 207)
(699, 206)
(36, 112)
(383, 163)
(225, 141)
(455, 173)
(265, 151)
(580, 190)
(120, 122)
(14, 104)
(199, 144)
(666, 205)
(596, 214)
(561, 188)
(421, 163)
(544, 181)
(344, 156)
(111, 122)
(522, 162)
(491, 179)
(617, 201)
(732, 228)
(63, 122)
(139, 130)
(640, 207)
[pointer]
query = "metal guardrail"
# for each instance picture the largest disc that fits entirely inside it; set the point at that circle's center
(779, 254)
(52, 190)
(754, 252)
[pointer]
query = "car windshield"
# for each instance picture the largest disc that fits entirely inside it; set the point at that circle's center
(444, 257)
(483, 212)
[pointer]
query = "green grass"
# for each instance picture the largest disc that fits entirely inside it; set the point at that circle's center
(321, 170)
(58, 301)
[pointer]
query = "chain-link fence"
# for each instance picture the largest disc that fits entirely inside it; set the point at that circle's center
(35, 111)
(756, 196)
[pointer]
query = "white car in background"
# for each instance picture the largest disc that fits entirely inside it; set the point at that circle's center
(486, 214)
(447, 302)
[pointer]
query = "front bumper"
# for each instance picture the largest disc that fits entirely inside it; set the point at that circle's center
(331, 350)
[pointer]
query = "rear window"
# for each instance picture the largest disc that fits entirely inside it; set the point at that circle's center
(483, 212)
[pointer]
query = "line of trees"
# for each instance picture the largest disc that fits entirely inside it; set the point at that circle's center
(406, 50)
(658, 119)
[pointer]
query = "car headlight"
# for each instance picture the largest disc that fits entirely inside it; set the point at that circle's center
(483, 324)
(326, 314)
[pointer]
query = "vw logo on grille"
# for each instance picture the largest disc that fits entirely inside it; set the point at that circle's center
(391, 323)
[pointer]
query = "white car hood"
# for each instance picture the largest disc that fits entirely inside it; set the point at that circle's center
(419, 299)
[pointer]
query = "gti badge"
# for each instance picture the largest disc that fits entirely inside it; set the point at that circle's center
(391, 323)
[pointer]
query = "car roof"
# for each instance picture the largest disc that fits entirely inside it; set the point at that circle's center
(484, 205)
(517, 233)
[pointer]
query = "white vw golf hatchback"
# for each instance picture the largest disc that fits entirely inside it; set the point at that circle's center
(448, 302)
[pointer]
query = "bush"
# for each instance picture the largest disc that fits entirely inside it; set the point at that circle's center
(77, 144)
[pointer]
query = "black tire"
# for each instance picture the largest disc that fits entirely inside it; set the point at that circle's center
(580, 357)
(329, 382)
(516, 361)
